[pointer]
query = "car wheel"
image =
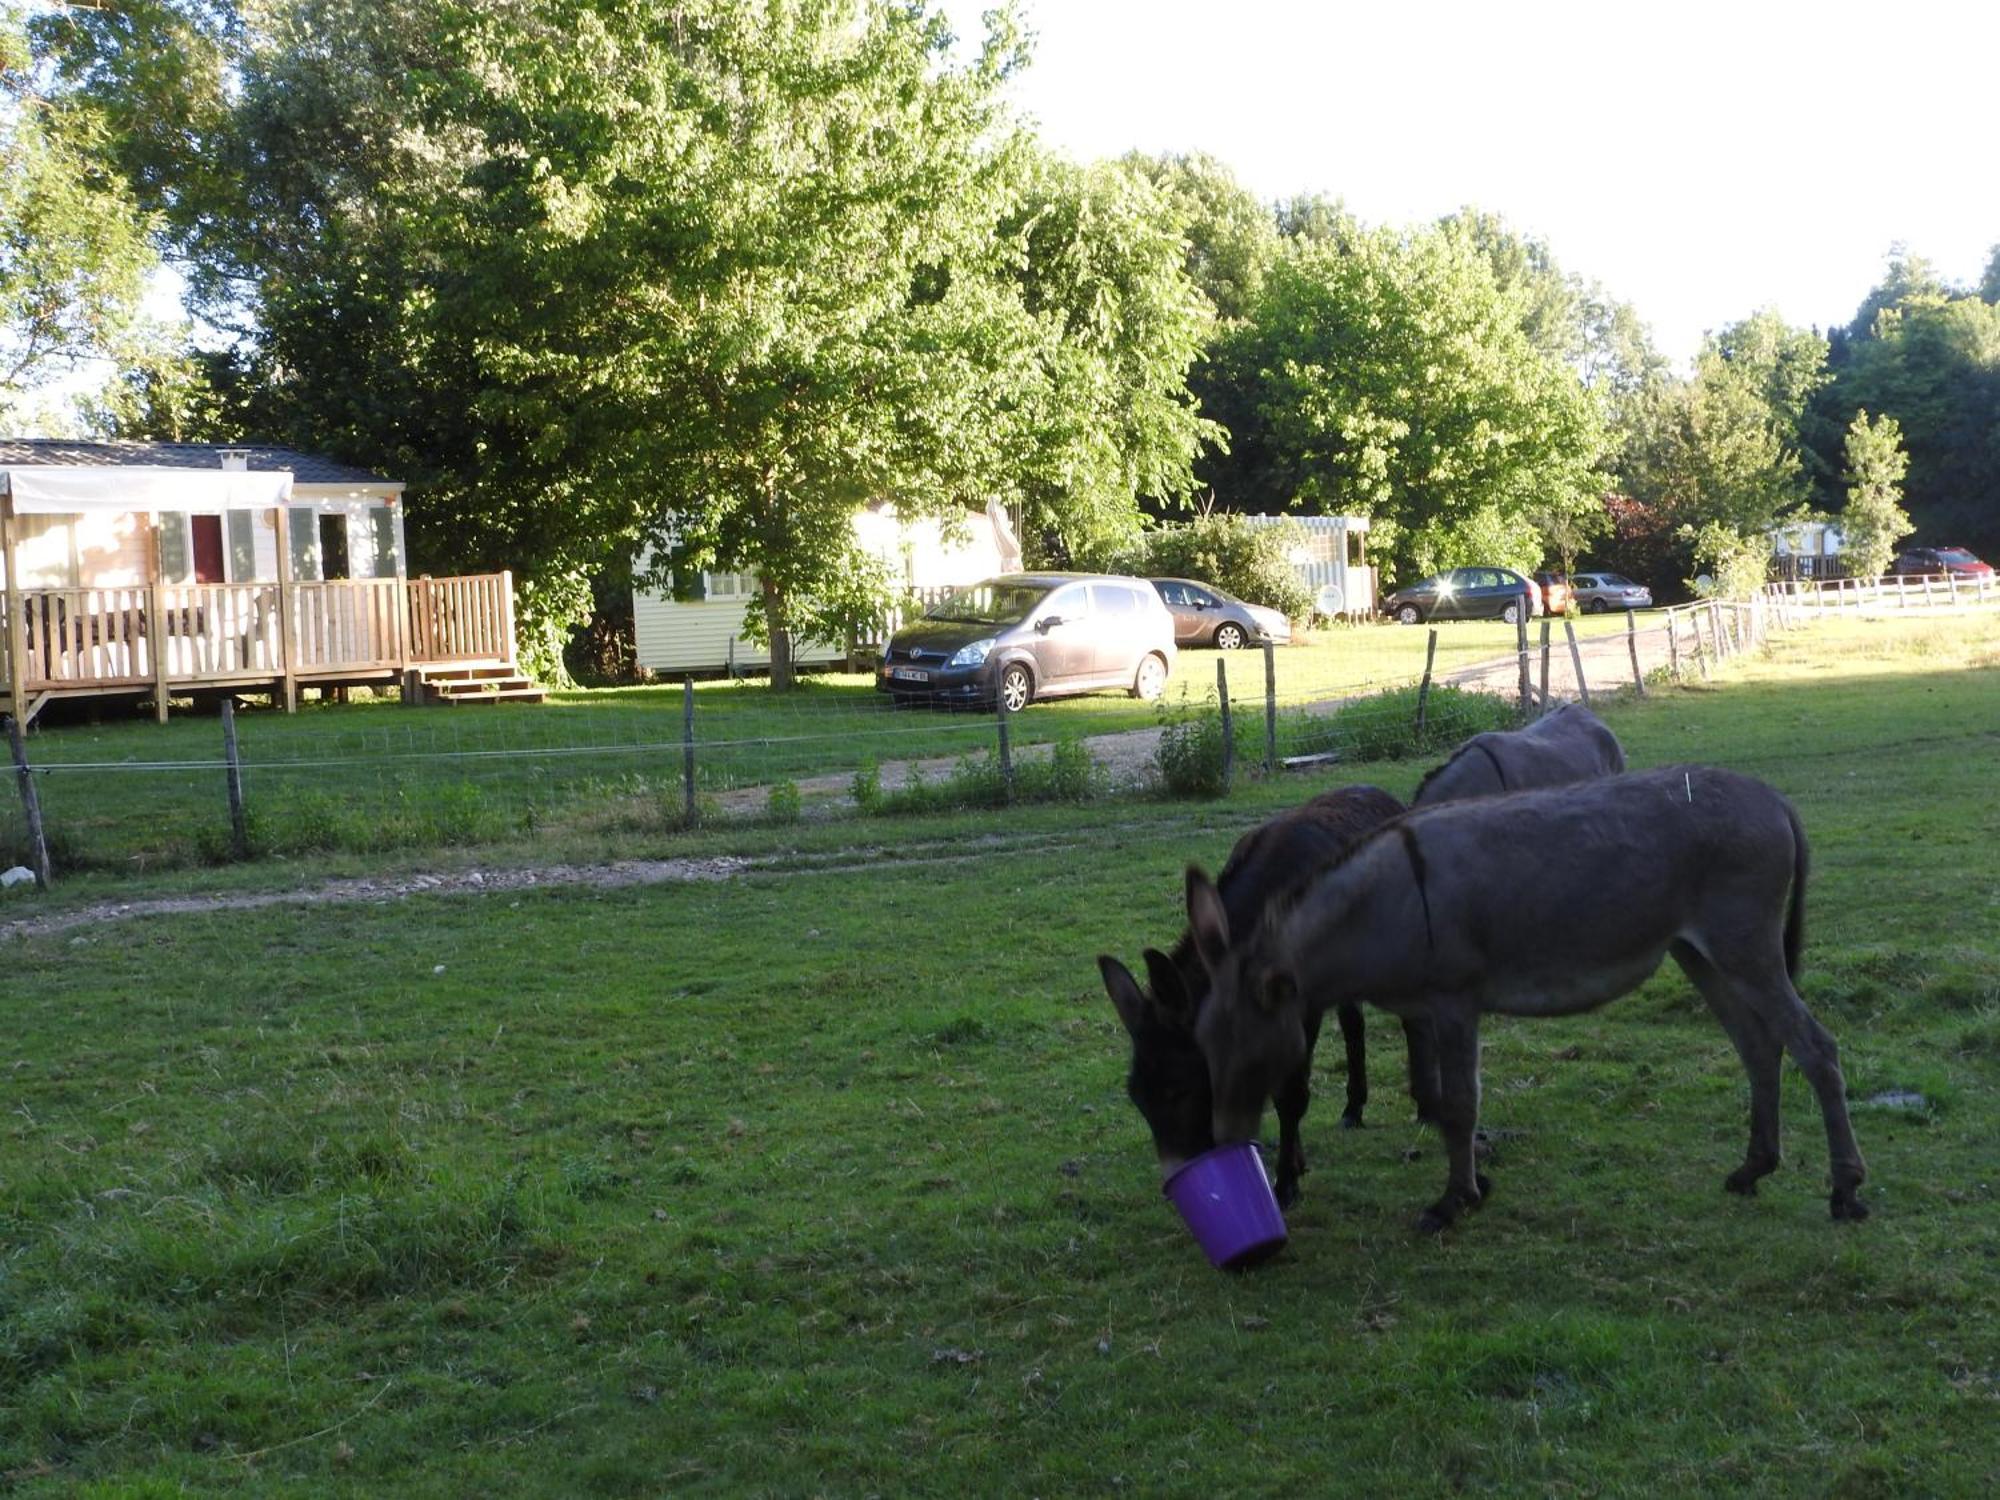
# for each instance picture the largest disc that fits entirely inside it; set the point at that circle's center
(1595, 607)
(1228, 637)
(1017, 688)
(1512, 613)
(1409, 614)
(1151, 680)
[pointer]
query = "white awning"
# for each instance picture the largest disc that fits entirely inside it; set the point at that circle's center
(65, 490)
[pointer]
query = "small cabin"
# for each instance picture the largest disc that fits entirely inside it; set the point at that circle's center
(1332, 561)
(1809, 549)
(151, 569)
(699, 626)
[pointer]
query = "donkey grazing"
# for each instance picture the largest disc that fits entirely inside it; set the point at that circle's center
(1568, 743)
(1168, 1081)
(1428, 918)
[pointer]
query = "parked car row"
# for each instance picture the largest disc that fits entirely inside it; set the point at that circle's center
(1931, 561)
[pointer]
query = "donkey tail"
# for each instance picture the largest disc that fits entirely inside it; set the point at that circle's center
(1795, 913)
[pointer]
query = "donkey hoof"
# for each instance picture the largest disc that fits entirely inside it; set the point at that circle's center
(1351, 1120)
(1744, 1184)
(1437, 1218)
(1287, 1191)
(1485, 1189)
(1847, 1206)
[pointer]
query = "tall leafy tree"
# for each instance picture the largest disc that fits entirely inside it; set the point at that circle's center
(1874, 520)
(76, 253)
(1395, 379)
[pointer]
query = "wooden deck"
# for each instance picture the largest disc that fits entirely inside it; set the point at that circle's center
(164, 639)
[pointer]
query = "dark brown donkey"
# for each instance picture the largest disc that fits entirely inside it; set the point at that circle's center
(1434, 917)
(1168, 1080)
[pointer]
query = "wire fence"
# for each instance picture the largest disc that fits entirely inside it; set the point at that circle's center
(377, 776)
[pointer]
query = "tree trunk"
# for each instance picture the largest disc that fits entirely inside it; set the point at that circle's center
(782, 680)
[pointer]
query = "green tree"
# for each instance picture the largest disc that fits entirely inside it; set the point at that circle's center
(76, 254)
(1989, 283)
(1874, 520)
(1231, 236)
(1394, 379)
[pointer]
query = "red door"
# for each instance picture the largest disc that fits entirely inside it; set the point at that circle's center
(207, 534)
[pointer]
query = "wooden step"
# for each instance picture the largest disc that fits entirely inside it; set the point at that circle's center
(526, 692)
(465, 674)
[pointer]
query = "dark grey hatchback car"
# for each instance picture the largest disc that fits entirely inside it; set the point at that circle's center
(1024, 636)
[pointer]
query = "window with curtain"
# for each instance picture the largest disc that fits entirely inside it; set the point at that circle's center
(176, 553)
(242, 537)
(382, 532)
(304, 524)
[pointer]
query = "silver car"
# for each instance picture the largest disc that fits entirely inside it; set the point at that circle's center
(1206, 616)
(1598, 592)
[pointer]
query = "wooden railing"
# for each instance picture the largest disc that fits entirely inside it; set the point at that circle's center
(462, 619)
(77, 639)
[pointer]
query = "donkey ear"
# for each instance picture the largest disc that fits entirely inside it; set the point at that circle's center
(1278, 990)
(1169, 991)
(1206, 919)
(1124, 991)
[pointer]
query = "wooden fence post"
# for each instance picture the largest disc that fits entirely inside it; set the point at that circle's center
(1544, 694)
(1632, 643)
(1521, 650)
(1700, 656)
(239, 823)
(31, 802)
(1006, 747)
(1228, 726)
(1424, 687)
(1270, 708)
(1673, 646)
(687, 750)
(1576, 661)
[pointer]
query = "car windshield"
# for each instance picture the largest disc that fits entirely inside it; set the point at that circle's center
(990, 604)
(1955, 555)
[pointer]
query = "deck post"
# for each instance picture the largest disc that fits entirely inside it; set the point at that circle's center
(288, 631)
(507, 615)
(156, 620)
(17, 634)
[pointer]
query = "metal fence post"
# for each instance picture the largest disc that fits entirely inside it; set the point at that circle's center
(1576, 661)
(31, 804)
(1632, 641)
(1270, 708)
(239, 824)
(1228, 726)
(1006, 747)
(687, 749)
(1424, 687)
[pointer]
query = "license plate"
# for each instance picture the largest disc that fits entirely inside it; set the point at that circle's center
(909, 674)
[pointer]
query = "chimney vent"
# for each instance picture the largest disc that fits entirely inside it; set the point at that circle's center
(234, 458)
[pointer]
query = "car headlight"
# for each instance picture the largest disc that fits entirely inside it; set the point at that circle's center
(971, 656)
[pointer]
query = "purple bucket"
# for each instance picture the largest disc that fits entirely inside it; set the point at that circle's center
(1228, 1203)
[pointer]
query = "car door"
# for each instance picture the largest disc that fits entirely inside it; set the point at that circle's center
(1455, 600)
(1117, 617)
(1063, 650)
(1178, 597)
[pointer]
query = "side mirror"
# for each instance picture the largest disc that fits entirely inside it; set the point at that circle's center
(1047, 623)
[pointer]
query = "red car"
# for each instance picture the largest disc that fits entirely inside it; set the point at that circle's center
(1930, 561)
(1557, 595)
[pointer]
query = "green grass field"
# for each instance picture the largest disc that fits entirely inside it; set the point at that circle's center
(822, 1180)
(125, 797)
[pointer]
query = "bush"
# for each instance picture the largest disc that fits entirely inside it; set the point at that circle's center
(785, 804)
(1068, 775)
(1190, 757)
(1251, 562)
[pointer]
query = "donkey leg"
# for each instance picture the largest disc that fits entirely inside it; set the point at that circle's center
(1763, 1057)
(1424, 1088)
(1293, 1097)
(1457, 1036)
(1813, 1048)
(1354, 1037)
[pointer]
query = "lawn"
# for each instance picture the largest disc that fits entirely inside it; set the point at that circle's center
(822, 1180)
(124, 797)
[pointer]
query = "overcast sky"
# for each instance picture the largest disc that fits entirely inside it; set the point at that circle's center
(1700, 160)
